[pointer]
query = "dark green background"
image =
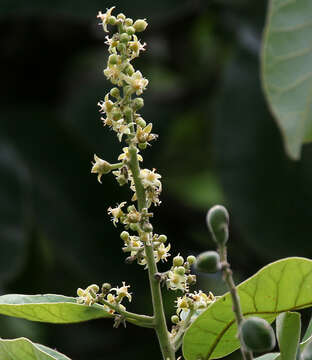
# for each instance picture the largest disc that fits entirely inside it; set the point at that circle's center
(217, 144)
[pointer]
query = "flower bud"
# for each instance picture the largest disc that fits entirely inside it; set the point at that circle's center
(113, 59)
(128, 22)
(112, 20)
(129, 70)
(124, 38)
(208, 262)
(117, 115)
(127, 112)
(140, 25)
(147, 227)
(121, 47)
(178, 260)
(142, 146)
(218, 223)
(140, 121)
(257, 335)
(121, 16)
(130, 30)
(124, 235)
(106, 287)
(115, 92)
(137, 103)
(180, 270)
(134, 227)
(175, 319)
(162, 238)
(191, 259)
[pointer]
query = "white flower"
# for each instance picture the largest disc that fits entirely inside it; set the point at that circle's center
(162, 252)
(105, 17)
(122, 292)
(116, 212)
(100, 167)
(150, 179)
(136, 81)
(176, 281)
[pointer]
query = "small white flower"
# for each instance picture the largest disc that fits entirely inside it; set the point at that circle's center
(162, 252)
(150, 179)
(136, 81)
(105, 17)
(122, 292)
(100, 167)
(116, 212)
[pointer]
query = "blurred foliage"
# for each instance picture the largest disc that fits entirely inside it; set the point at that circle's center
(218, 143)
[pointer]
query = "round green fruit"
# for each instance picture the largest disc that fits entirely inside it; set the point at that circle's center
(218, 224)
(208, 262)
(257, 335)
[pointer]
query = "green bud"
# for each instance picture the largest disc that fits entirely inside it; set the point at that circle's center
(175, 319)
(112, 20)
(115, 92)
(124, 38)
(128, 22)
(140, 121)
(142, 146)
(117, 115)
(162, 238)
(191, 259)
(180, 270)
(147, 227)
(121, 47)
(127, 90)
(218, 223)
(140, 25)
(134, 227)
(124, 235)
(130, 30)
(113, 59)
(208, 262)
(129, 70)
(137, 103)
(257, 335)
(177, 260)
(106, 287)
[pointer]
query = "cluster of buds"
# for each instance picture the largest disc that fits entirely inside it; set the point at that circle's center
(179, 277)
(135, 246)
(192, 304)
(109, 297)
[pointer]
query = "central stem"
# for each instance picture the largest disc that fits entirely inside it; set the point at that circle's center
(160, 319)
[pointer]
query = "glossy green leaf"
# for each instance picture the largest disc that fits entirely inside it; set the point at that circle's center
(286, 70)
(288, 330)
(24, 349)
(49, 308)
(278, 287)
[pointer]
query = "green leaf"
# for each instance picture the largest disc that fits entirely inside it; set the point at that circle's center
(278, 287)
(49, 308)
(286, 70)
(288, 330)
(270, 356)
(24, 349)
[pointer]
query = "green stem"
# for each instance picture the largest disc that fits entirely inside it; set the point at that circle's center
(159, 316)
(228, 278)
(177, 341)
(140, 320)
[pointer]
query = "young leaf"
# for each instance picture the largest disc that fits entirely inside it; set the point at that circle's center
(24, 349)
(286, 70)
(288, 329)
(49, 308)
(278, 287)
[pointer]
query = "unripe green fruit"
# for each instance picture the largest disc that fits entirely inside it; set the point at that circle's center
(130, 30)
(175, 319)
(112, 20)
(208, 262)
(115, 92)
(140, 25)
(218, 224)
(180, 270)
(257, 335)
(178, 260)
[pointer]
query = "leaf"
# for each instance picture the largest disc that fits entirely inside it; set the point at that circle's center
(286, 70)
(270, 356)
(49, 308)
(281, 286)
(24, 349)
(288, 330)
